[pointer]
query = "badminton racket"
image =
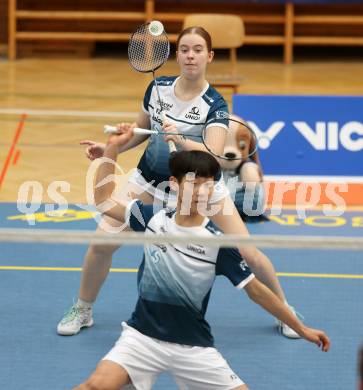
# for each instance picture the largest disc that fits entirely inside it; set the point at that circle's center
(148, 50)
(215, 134)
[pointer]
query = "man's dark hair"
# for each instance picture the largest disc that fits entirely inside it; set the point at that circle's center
(201, 163)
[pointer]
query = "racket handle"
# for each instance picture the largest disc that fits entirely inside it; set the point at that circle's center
(107, 129)
(138, 130)
(171, 144)
(172, 147)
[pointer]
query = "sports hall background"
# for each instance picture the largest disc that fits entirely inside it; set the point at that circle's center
(299, 70)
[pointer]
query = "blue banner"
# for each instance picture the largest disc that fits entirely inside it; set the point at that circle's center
(306, 135)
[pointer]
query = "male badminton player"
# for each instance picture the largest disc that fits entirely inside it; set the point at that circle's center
(167, 331)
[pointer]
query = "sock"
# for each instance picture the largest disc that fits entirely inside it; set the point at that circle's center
(84, 305)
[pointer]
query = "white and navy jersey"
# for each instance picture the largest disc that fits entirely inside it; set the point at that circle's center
(190, 117)
(175, 280)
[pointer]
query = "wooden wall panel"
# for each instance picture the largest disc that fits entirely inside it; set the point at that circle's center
(3, 22)
(286, 25)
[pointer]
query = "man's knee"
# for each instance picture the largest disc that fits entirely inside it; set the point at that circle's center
(107, 376)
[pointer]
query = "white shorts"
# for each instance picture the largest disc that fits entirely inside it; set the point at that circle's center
(192, 368)
(219, 193)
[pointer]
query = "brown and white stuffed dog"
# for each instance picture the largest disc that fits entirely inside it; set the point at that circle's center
(248, 194)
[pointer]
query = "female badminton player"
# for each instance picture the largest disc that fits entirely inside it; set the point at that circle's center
(187, 101)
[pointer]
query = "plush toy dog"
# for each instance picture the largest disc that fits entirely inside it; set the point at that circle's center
(244, 178)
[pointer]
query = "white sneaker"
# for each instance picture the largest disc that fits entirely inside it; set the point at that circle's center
(75, 319)
(285, 330)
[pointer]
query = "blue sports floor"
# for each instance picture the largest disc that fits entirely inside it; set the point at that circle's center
(39, 282)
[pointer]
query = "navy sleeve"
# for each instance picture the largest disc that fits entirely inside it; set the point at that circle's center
(218, 113)
(138, 215)
(231, 264)
(147, 96)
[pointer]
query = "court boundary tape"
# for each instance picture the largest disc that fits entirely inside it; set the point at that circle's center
(134, 270)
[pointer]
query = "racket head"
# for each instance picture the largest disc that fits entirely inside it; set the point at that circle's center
(149, 47)
(229, 138)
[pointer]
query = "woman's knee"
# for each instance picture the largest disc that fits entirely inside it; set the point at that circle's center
(242, 387)
(252, 256)
(96, 382)
(88, 385)
(103, 251)
(250, 173)
(91, 384)
(252, 263)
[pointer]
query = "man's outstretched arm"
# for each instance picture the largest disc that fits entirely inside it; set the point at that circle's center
(262, 295)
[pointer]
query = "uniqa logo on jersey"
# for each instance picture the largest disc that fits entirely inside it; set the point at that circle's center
(306, 135)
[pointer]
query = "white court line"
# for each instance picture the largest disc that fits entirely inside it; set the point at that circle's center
(112, 114)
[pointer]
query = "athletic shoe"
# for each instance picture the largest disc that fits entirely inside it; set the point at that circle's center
(285, 330)
(74, 320)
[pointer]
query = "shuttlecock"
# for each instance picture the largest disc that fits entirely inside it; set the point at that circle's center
(156, 28)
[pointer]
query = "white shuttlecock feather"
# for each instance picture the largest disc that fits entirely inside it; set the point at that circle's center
(156, 28)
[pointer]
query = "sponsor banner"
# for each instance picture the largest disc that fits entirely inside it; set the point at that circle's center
(306, 135)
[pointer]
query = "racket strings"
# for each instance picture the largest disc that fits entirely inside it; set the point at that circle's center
(148, 52)
(217, 138)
